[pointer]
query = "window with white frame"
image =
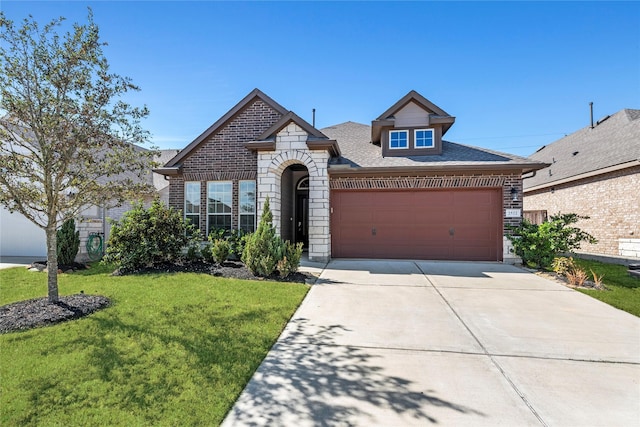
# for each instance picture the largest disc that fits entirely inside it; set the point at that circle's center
(192, 202)
(247, 206)
(424, 138)
(219, 200)
(398, 139)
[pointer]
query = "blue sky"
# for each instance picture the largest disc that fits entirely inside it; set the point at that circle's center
(516, 75)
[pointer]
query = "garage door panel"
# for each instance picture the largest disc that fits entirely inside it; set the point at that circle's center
(418, 224)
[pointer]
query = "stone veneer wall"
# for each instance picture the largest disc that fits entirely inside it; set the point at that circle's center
(612, 201)
(291, 148)
(223, 157)
(505, 181)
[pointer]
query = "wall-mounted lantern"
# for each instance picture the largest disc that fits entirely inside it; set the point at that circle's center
(514, 194)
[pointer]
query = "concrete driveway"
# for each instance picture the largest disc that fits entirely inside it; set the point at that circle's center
(399, 343)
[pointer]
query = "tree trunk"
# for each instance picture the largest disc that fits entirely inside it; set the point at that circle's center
(52, 264)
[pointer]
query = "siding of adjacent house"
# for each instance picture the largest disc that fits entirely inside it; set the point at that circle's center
(612, 201)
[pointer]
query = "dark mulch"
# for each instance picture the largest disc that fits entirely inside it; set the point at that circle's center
(65, 268)
(40, 312)
(229, 269)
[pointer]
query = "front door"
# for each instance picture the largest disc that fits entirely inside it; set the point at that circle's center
(301, 226)
(302, 218)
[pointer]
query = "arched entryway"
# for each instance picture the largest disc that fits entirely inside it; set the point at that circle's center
(294, 204)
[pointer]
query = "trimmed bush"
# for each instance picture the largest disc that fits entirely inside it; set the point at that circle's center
(68, 242)
(144, 237)
(220, 250)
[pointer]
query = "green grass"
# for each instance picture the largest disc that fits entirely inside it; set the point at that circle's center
(173, 349)
(623, 290)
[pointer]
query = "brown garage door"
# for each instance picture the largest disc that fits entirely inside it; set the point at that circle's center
(417, 224)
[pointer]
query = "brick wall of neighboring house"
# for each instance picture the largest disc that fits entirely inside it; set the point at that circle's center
(223, 157)
(612, 201)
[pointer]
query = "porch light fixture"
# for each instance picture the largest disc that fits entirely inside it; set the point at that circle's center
(514, 194)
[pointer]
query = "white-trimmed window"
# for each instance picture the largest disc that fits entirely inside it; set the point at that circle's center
(398, 139)
(219, 201)
(192, 202)
(424, 138)
(247, 206)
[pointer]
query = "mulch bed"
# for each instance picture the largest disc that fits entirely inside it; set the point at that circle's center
(229, 269)
(39, 312)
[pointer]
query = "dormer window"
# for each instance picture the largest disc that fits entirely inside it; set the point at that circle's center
(398, 139)
(424, 138)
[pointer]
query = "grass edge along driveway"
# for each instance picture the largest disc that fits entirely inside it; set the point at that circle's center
(173, 349)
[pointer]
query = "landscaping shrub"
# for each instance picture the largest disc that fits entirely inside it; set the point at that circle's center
(235, 238)
(264, 250)
(290, 261)
(220, 250)
(577, 277)
(68, 242)
(562, 265)
(144, 237)
(205, 251)
(538, 245)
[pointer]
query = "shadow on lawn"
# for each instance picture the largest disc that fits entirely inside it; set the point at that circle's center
(308, 379)
(141, 368)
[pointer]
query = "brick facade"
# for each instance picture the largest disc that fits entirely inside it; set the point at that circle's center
(612, 201)
(223, 157)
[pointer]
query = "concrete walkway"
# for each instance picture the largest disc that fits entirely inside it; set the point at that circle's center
(400, 343)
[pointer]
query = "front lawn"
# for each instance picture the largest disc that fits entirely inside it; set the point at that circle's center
(172, 349)
(623, 290)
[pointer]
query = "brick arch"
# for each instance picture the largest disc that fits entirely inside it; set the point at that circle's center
(288, 158)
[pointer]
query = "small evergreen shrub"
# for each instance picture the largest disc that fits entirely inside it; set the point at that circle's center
(206, 253)
(290, 261)
(220, 250)
(144, 237)
(263, 248)
(68, 242)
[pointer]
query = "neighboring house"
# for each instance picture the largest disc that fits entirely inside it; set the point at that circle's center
(20, 237)
(593, 172)
(394, 189)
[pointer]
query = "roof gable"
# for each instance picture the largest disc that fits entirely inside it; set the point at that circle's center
(284, 121)
(418, 99)
(411, 104)
(222, 121)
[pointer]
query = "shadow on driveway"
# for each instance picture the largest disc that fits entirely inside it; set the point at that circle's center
(302, 383)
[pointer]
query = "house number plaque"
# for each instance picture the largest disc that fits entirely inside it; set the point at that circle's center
(513, 213)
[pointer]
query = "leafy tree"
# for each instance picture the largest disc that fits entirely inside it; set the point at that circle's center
(538, 245)
(144, 237)
(68, 242)
(66, 135)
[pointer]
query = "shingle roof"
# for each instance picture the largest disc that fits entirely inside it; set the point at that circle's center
(614, 141)
(357, 150)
